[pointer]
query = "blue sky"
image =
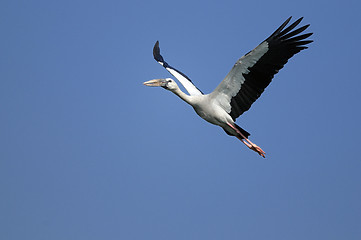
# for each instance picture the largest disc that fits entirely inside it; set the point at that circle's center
(88, 152)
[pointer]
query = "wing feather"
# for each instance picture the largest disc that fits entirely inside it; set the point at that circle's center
(253, 72)
(182, 78)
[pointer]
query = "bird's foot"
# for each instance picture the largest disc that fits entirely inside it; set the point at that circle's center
(257, 149)
(253, 146)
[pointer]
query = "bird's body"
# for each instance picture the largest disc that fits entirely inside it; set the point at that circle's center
(208, 109)
(243, 85)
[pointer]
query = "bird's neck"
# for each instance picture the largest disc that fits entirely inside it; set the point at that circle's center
(188, 99)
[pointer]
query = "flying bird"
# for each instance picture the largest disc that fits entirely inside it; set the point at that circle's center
(243, 85)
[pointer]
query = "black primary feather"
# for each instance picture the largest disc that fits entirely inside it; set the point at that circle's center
(282, 45)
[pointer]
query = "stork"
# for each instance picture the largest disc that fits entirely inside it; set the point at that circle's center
(243, 85)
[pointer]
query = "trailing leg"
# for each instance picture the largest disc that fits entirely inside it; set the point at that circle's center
(246, 141)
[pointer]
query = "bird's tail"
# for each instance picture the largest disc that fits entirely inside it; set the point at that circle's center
(244, 132)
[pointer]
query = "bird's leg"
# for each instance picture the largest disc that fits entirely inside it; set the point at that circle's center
(247, 142)
(252, 146)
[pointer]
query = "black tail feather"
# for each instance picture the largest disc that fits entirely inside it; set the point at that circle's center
(244, 132)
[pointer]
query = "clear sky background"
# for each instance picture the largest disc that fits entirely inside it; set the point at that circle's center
(88, 152)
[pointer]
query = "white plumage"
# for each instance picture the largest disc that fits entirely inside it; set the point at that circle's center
(243, 85)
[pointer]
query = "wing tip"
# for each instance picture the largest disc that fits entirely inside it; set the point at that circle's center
(156, 53)
(285, 34)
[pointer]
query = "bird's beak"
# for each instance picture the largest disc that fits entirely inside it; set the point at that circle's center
(155, 83)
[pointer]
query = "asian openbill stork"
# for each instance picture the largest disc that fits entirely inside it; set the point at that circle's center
(243, 85)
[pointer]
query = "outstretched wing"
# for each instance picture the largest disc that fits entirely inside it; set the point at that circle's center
(182, 78)
(253, 72)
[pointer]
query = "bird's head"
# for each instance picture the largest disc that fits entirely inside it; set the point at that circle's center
(166, 83)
